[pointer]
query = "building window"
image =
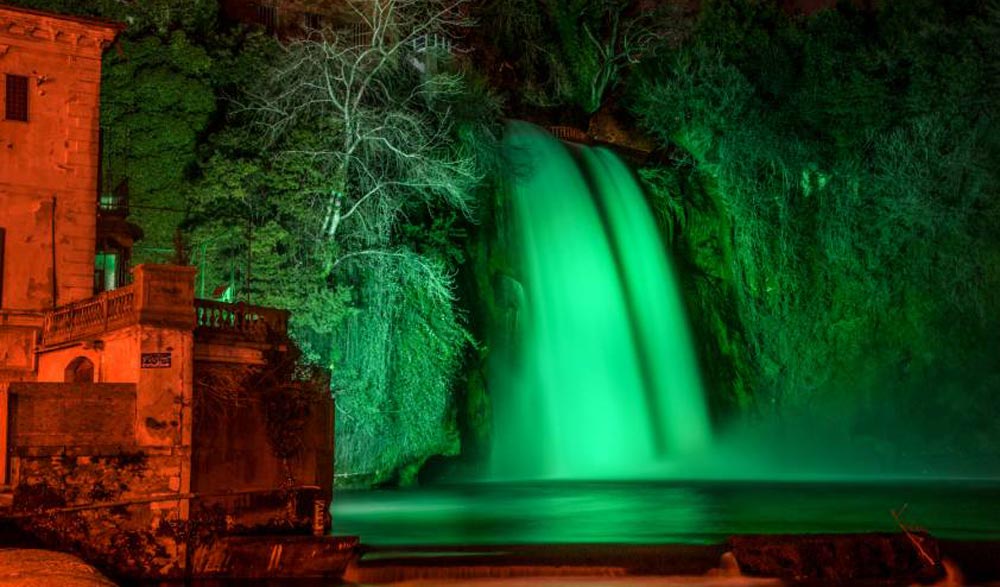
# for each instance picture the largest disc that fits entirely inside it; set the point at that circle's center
(312, 21)
(267, 17)
(106, 271)
(16, 98)
(361, 35)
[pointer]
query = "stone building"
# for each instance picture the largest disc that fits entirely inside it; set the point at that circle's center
(288, 18)
(49, 133)
(148, 431)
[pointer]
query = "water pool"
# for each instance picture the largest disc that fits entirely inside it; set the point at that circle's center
(660, 512)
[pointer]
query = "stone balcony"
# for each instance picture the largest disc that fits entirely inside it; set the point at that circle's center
(92, 317)
(162, 295)
(239, 320)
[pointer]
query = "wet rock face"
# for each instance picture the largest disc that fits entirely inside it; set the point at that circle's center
(606, 127)
(44, 568)
(893, 559)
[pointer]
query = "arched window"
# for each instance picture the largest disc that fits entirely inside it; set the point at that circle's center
(79, 370)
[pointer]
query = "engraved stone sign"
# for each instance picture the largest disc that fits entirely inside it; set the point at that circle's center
(155, 361)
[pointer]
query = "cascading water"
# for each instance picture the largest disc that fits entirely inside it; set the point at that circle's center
(593, 378)
(599, 380)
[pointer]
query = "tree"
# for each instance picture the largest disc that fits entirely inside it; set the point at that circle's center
(574, 52)
(374, 118)
(387, 115)
(852, 165)
(158, 98)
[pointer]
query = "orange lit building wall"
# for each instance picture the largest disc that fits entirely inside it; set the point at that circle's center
(49, 163)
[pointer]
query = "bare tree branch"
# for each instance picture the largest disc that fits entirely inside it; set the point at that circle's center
(391, 130)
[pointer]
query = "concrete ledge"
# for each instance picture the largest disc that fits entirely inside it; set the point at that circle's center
(274, 557)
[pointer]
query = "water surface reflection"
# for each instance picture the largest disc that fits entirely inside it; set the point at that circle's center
(658, 512)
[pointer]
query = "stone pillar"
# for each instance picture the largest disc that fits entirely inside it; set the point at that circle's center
(164, 305)
(165, 296)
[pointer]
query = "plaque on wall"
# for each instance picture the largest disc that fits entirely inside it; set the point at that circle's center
(155, 361)
(17, 348)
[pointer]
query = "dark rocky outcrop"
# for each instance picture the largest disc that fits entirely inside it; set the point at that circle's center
(893, 559)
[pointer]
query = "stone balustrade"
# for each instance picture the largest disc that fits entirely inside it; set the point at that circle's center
(243, 320)
(91, 317)
(570, 134)
(162, 295)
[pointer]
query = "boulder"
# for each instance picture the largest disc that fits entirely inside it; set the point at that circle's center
(898, 558)
(44, 568)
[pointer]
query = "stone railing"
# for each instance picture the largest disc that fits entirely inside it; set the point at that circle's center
(83, 415)
(107, 311)
(432, 42)
(570, 134)
(242, 320)
(161, 296)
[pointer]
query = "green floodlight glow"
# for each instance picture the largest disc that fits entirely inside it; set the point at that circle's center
(601, 380)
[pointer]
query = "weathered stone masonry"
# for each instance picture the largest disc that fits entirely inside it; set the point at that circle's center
(118, 438)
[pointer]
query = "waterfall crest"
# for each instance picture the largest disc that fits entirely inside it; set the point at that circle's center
(599, 379)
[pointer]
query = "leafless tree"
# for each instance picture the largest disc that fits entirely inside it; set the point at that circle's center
(369, 84)
(365, 104)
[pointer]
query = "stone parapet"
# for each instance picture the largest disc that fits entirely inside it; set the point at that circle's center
(161, 296)
(89, 318)
(165, 296)
(240, 320)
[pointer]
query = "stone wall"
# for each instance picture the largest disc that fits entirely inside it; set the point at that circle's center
(103, 506)
(237, 465)
(50, 161)
(115, 356)
(83, 484)
(55, 416)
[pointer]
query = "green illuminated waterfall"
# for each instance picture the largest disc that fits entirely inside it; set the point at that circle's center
(598, 379)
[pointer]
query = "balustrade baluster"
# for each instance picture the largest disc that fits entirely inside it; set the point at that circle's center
(240, 318)
(104, 310)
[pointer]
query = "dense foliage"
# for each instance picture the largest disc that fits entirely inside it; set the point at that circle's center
(829, 182)
(849, 160)
(350, 192)
(550, 54)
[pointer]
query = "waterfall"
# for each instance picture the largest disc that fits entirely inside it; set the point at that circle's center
(599, 379)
